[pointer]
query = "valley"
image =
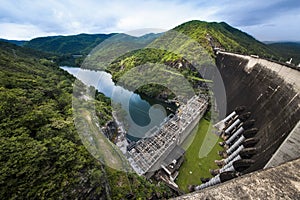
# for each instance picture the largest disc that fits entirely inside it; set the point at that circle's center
(45, 104)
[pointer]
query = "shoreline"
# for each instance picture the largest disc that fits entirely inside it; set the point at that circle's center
(120, 140)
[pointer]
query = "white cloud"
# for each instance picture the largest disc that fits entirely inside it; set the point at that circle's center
(22, 19)
(72, 17)
(21, 31)
(280, 28)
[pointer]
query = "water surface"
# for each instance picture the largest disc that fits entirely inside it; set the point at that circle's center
(142, 114)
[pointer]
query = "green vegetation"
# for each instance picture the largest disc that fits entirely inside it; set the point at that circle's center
(221, 34)
(224, 36)
(68, 50)
(130, 60)
(16, 42)
(193, 163)
(209, 35)
(41, 154)
(148, 56)
(73, 44)
(287, 50)
(191, 77)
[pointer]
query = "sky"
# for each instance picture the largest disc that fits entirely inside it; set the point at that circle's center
(275, 20)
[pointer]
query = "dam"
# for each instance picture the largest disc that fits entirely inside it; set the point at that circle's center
(270, 93)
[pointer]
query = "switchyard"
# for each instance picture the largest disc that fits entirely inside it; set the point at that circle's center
(149, 153)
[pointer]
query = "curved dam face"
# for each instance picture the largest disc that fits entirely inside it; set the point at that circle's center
(269, 91)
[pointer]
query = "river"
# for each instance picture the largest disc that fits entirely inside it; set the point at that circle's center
(143, 113)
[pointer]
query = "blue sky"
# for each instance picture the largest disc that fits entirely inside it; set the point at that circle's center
(22, 19)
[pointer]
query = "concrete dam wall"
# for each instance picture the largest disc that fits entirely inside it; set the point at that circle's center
(269, 91)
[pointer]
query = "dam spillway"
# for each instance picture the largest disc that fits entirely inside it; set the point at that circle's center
(270, 91)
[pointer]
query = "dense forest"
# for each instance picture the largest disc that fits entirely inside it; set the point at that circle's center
(287, 50)
(224, 36)
(41, 155)
(67, 50)
(72, 44)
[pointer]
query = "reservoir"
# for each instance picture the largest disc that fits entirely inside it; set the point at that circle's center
(142, 113)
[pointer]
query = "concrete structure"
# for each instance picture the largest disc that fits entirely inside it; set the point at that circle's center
(148, 154)
(281, 182)
(288, 150)
(270, 91)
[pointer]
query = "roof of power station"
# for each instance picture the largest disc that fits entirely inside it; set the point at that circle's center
(149, 153)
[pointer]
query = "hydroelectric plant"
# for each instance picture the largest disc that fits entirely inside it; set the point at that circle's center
(149, 153)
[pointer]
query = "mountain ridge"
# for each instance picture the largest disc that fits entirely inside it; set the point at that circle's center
(16, 42)
(287, 50)
(73, 44)
(225, 35)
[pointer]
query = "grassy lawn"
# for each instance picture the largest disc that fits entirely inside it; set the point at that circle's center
(199, 157)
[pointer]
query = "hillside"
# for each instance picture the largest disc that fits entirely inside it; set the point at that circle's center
(68, 50)
(41, 154)
(224, 36)
(209, 35)
(24, 52)
(16, 42)
(73, 44)
(287, 50)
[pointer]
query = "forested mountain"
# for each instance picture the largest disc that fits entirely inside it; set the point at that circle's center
(287, 50)
(24, 52)
(224, 36)
(41, 155)
(73, 44)
(68, 50)
(16, 42)
(209, 35)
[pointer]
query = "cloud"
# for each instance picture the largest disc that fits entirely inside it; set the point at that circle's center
(22, 19)
(22, 31)
(71, 17)
(282, 28)
(257, 12)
